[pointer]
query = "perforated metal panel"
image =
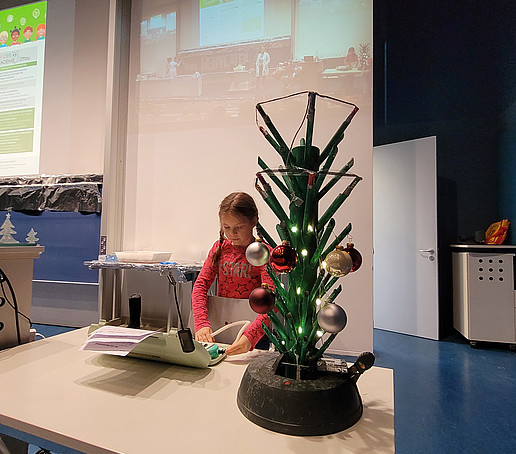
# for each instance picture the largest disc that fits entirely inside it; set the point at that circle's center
(494, 269)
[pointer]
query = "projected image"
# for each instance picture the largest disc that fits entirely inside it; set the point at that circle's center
(22, 46)
(213, 60)
(222, 22)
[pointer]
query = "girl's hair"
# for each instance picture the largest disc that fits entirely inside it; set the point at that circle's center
(235, 204)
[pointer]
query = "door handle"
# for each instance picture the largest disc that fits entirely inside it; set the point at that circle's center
(429, 251)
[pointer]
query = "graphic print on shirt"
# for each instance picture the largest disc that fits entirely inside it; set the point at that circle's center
(239, 279)
(238, 269)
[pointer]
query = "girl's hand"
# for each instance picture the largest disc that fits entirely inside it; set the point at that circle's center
(204, 335)
(242, 345)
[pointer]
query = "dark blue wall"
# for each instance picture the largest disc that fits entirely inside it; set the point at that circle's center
(69, 238)
(447, 69)
(506, 59)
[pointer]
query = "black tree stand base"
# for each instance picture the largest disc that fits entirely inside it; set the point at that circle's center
(324, 405)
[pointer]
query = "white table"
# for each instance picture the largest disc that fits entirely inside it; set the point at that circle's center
(104, 404)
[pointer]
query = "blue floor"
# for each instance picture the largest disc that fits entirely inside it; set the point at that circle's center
(449, 397)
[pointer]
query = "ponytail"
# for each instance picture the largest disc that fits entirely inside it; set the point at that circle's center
(216, 255)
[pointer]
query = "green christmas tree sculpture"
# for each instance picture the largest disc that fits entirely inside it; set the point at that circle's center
(297, 323)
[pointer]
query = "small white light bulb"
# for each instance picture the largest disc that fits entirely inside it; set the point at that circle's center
(319, 333)
(298, 290)
(300, 330)
(310, 228)
(323, 264)
(294, 229)
(304, 252)
(318, 301)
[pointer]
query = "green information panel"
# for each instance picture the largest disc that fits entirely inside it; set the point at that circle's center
(17, 119)
(16, 142)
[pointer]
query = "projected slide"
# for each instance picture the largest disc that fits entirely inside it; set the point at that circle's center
(22, 49)
(225, 56)
(229, 21)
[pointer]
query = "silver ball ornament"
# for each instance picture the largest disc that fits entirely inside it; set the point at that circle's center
(257, 254)
(332, 318)
(338, 262)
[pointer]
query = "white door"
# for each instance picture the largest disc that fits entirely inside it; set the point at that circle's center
(405, 238)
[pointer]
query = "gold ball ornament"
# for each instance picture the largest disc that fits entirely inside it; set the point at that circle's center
(338, 262)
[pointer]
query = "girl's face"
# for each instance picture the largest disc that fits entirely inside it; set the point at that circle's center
(237, 229)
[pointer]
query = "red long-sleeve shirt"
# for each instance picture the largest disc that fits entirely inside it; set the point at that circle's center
(237, 278)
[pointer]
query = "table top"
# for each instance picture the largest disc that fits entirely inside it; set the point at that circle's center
(341, 72)
(105, 404)
(178, 270)
(21, 251)
(463, 247)
(142, 266)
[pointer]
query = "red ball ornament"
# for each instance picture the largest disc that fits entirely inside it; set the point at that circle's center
(283, 258)
(261, 299)
(356, 257)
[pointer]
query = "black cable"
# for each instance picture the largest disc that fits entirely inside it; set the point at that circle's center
(12, 305)
(3, 277)
(173, 282)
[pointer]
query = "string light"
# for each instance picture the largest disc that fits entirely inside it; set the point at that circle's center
(318, 301)
(298, 290)
(319, 333)
(300, 330)
(310, 228)
(323, 264)
(294, 229)
(304, 252)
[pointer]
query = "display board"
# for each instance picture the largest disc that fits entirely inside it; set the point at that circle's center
(22, 58)
(53, 90)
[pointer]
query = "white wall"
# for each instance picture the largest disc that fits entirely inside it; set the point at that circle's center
(177, 174)
(74, 93)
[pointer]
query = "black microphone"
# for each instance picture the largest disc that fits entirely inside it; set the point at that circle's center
(185, 335)
(364, 362)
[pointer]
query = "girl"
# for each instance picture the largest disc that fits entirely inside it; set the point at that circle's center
(237, 278)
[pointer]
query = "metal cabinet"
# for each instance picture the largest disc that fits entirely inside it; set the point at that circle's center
(484, 302)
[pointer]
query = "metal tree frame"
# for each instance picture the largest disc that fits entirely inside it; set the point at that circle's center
(301, 181)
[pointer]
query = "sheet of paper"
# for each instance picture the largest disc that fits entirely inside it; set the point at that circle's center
(115, 340)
